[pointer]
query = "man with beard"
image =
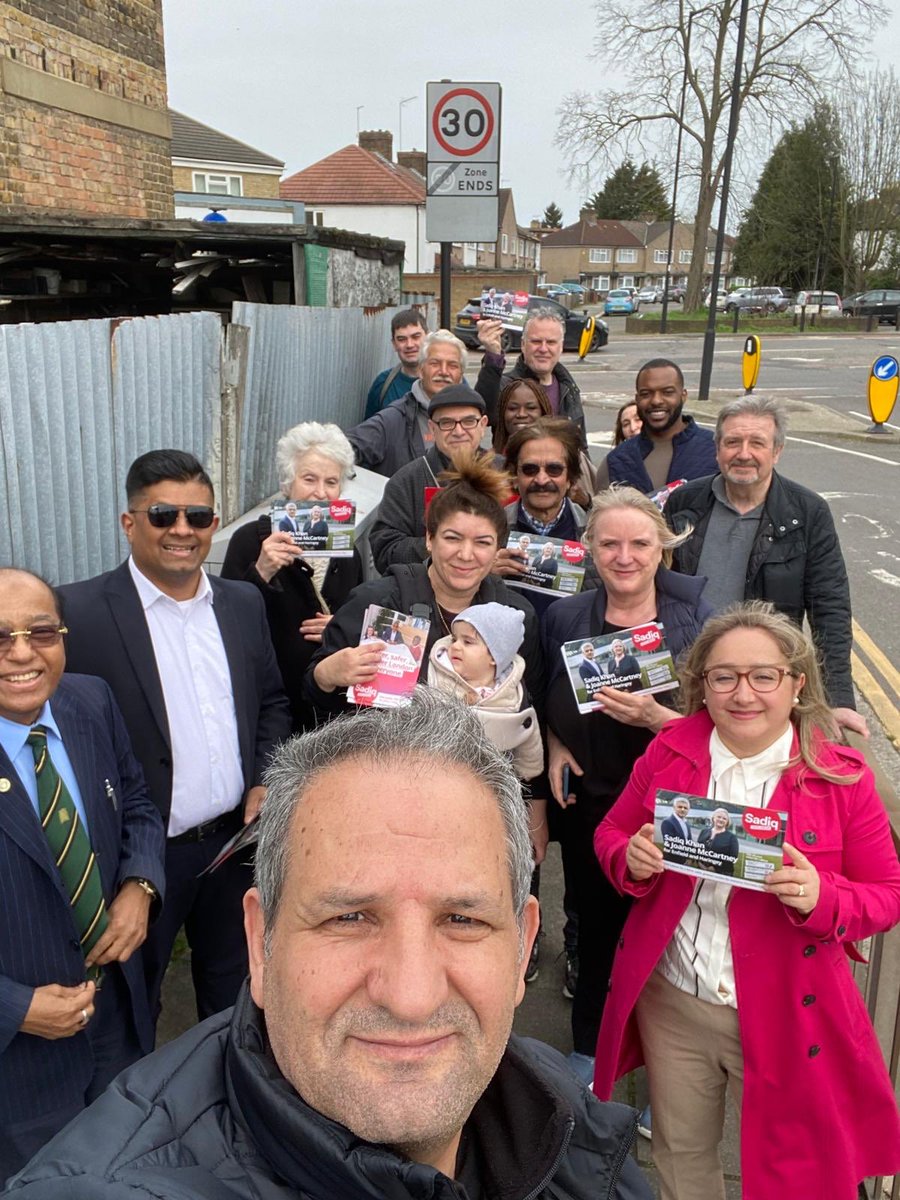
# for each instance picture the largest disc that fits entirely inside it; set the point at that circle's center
(760, 536)
(370, 1053)
(670, 446)
(543, 459)
(456, 423)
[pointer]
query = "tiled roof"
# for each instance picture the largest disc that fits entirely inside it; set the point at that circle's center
(354, 176)
(592, 233)
(201, 143)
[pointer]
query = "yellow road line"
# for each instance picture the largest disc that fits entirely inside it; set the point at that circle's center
(877, 658)
(877, 698)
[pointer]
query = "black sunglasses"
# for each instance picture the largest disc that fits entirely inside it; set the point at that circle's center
(163, 516)
(554, 470)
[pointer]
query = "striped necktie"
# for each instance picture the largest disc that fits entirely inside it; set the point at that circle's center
(70, 847)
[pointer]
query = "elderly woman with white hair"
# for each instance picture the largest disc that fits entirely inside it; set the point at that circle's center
(313, 461)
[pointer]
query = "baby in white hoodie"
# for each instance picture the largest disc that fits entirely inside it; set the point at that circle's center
(479, 661)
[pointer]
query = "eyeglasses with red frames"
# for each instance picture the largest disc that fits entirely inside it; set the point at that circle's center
(40, 636)
(761, 679)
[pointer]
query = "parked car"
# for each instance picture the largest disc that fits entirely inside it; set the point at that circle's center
(828, 303)
(882, 303)
(555, 291)
(468, 317)
(676, 293)
(757, 299)
(575, 288)
(650, 294)
(721, 297)
(620, 300)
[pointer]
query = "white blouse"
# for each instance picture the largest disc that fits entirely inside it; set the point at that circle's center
(698, 957)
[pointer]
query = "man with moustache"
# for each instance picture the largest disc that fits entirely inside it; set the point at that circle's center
(670, 445)
(760, 536)
(401, 432)
(369, 1055)
(543, 460)
(456, 422)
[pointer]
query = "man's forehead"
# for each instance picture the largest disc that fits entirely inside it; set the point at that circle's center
(749, 424)
(544, 327)
(19, 589)
(407, 331)
(659, 377)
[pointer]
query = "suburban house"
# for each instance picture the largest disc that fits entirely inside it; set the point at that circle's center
(654, 236)
(600, 254)
(216, 174)
(515, 249)
(363, 189)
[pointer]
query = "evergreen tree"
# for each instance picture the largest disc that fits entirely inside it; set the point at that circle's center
(631, 193)
(796, 210)
(553, 217)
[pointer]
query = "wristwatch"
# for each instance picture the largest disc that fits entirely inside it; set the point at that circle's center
(145, 885)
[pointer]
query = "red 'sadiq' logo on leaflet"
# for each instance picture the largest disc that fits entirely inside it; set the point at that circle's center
(573, 552)
(761, 823)
(648, 637)
(341, 510)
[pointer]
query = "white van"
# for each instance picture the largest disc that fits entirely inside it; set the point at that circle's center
(830, 302)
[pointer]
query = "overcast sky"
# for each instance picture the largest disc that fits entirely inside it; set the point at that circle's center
(287, 77)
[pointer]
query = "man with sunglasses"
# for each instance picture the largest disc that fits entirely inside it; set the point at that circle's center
(456, 421)
(81, 870)
(190, 660)
(543, 459)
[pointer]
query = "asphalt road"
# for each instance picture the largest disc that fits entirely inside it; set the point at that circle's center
(822, 381)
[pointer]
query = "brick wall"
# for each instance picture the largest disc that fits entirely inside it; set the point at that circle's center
(257, 187)
(84, 125)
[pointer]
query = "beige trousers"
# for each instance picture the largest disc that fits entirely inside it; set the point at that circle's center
(692, 1050)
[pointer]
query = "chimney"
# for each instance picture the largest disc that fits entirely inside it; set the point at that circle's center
(379, 141)
(414, 159)
(588, 214)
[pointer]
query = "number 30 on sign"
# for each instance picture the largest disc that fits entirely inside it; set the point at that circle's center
(464, 121)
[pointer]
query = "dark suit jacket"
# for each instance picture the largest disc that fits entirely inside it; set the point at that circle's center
(108, 636)
(38, 941)
(316, 528)
(589, 669)
(288, 525)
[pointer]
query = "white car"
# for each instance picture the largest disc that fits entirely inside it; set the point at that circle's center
(720, 299)
(830, 303)
(649, 295)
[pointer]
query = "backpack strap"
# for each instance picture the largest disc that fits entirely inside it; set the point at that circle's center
(385, 387)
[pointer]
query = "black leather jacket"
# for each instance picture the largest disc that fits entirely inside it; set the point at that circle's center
(211, 1117)
(795, 562)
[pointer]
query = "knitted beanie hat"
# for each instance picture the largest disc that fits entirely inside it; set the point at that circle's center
(501, 627)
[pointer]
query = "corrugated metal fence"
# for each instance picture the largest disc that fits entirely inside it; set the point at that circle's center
(79, 400)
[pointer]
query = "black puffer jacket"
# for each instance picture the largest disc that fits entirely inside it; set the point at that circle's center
(210, 1117)
(796, 563)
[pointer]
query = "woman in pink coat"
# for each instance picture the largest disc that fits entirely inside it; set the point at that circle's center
(717, 988)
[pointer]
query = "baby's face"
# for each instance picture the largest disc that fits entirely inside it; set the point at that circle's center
(470, 656)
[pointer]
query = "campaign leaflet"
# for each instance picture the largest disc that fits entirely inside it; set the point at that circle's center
(712, 839)
(509, 307)
(554, 565)
(404, 639)
(633, 660)
(321, 528)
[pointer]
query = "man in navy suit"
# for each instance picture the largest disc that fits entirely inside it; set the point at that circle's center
(190, 661)
(676, 826)
(289, 522)
(63, 1036)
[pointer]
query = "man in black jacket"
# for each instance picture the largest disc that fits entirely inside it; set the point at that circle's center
(760, 536)
(371, 1054)
(190, 662)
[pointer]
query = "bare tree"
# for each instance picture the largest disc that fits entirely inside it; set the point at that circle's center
(794, 48)
(869, 117)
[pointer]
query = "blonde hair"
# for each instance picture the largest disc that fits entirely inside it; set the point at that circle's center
(811, 716)
(619, 495)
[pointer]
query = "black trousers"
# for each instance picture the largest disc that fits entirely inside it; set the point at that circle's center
(210, 909)
(601, 914)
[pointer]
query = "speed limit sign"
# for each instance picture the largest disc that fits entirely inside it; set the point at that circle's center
(463, 172)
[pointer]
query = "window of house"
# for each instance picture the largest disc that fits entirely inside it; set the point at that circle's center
(685, 256)
(627, 255)
(601, 283)
(710, 256)
(315, 216)
(626, 281)
(599, 256)
(218, 185)
(660, 256)
(504, 244)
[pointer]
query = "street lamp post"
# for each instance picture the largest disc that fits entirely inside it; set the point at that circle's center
(408, 100)
(709, 337)
(684, 80)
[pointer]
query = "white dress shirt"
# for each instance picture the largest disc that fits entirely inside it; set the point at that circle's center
(698, 958)
(207, 776)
